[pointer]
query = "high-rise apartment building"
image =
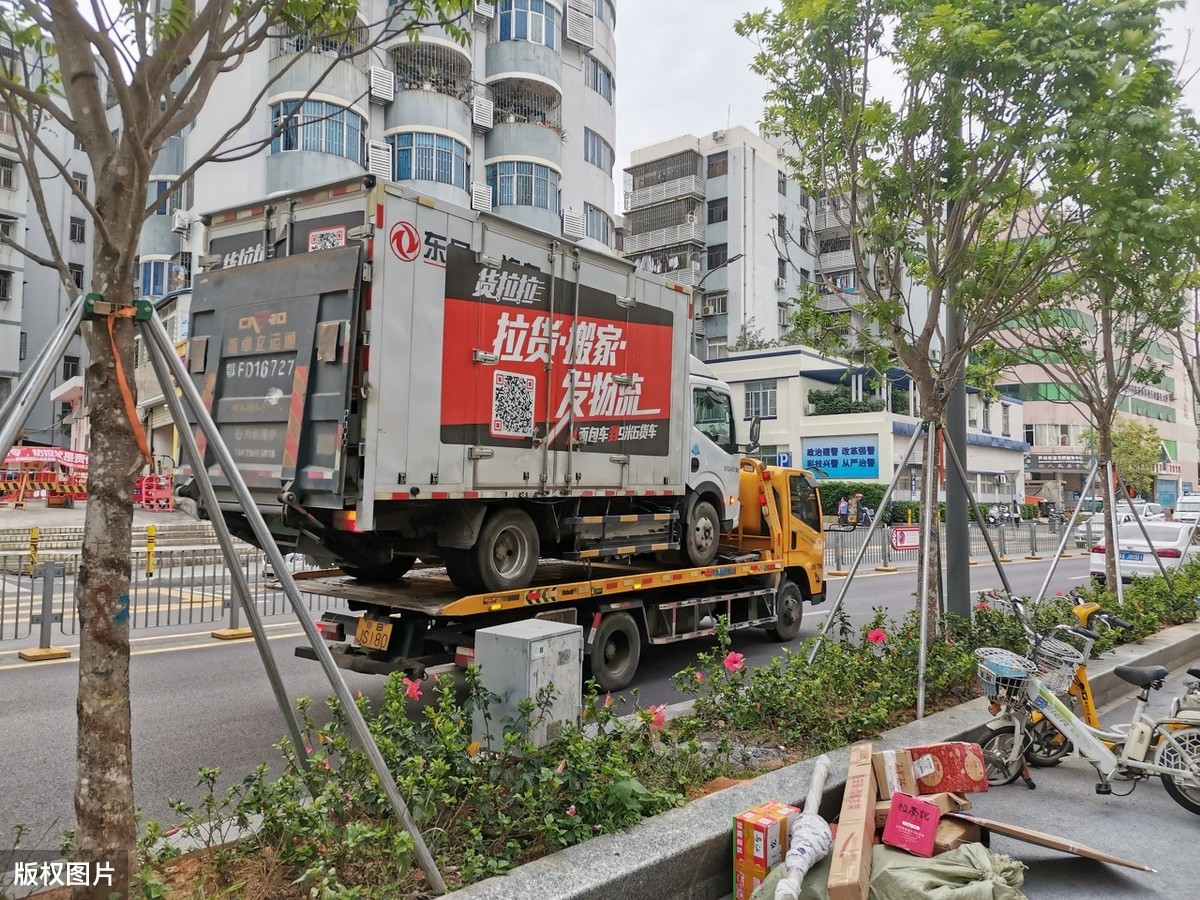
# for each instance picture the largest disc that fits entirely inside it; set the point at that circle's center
(720, 213)
(13, 197)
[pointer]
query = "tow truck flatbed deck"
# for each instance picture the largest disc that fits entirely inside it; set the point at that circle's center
(430, 592)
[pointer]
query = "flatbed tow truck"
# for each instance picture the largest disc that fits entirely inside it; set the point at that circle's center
(766, 570)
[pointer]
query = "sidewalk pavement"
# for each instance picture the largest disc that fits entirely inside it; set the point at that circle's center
(36, 514)
(685, 854)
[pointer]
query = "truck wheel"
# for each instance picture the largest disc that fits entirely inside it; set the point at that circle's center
(615, 652)
(701, 534)
(460, 566)
(393, 570)
(789, 609)
(506, 553)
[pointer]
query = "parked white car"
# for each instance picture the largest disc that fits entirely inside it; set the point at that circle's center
(1171, 542)
(1187, 508)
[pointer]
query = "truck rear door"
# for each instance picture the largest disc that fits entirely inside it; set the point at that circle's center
(272, 353)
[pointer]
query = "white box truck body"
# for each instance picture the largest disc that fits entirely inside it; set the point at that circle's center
(398, 377)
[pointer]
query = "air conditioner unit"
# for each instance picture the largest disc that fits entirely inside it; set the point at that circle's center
(379, 159)
(581, 23)
(481, 197)
(708, 310)
(485, 10)
(574, 223)
(383, 85)
(180, 224)
(718, 135)
(780, 284)
(691, 218)
(483, 113)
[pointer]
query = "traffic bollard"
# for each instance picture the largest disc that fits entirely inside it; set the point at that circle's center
(150, 551)
(885, 536)
(48, 572)
(1033, 547)
(34, 537)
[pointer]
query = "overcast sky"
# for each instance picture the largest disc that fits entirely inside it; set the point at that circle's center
(682, 70)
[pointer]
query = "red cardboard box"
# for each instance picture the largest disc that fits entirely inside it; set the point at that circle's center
(912, 824)
(955, 766)
(760, 840)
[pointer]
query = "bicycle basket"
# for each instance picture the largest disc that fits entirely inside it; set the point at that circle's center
(1003, 673)
(1056, 661)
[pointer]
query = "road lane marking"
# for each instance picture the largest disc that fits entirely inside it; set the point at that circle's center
(152, 651)
(159, 637)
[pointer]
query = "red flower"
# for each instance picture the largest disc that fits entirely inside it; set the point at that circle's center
(734, 661)
(877, 636)
(700, 677)
(982, 604)
(562, 767)
(571, 810)
(658, 715)
(412, 688)
(608, 700)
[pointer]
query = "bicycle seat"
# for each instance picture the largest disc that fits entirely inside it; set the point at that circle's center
(1141, 676)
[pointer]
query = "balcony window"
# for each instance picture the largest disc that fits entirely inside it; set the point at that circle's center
(536, 21)
(606, 13)
(782, 267)
(319, 127)
(81, 181)
(599, 79)
(599, 225)
(783, 182)
(70, 367)
(164, 200)
(76, 270)
(718, 210)
(78, 231)
(419, 156)
(7, 123)
(8, 177)
(761, 399)
(718, 164)
(1005, 419)
(524, 184)
(154, 277)
(6, 290)
(598, 151)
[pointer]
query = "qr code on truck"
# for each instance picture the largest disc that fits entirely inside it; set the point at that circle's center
(512, 404)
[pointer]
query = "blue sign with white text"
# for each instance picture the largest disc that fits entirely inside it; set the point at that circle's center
(856, 456)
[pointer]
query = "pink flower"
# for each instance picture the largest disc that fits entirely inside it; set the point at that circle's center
(562, 767)
(412, 688)
(876, 636)
(734, 661)
(982, 604)
(571, 810)
(658, 715)
(700, 677)
(1058, 593)
(608, 700)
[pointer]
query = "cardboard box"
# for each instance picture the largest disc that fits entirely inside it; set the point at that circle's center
(953, 766)
(911, 824)
(894, 773)
(850, 865)
(760, 837)
(946, 803)
(952, 833)
(1048, 840)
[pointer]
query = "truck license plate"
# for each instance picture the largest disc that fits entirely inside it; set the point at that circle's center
(373, 634)
(1134, 557)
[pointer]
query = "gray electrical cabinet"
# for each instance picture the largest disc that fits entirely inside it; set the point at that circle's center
(518, 660)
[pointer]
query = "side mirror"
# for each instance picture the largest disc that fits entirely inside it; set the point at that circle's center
(755, 430)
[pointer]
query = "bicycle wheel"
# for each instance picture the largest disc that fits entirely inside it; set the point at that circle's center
(1047, 745)
(1003, 766)
(1189, 760)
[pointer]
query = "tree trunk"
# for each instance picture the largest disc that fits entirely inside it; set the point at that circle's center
(104, 811)
(1105, 447)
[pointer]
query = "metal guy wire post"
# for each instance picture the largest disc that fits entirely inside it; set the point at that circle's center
(154, 328)
(1087, 486)
(987, 538)
(928, 516)
(241, 587)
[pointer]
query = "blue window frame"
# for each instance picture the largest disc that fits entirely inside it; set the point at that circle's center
(536, 21)
(599, 225)
(154, 277)
(319, 127)
(418, 156)
(524, 184)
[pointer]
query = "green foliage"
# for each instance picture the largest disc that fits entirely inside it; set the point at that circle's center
(1136, 450)
(836, 401)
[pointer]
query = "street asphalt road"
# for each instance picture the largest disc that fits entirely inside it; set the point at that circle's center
(201, 702)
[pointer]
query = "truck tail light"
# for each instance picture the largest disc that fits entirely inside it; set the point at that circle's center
(1098, 548)
(1168, 553)
(331, 631)
(464, 656)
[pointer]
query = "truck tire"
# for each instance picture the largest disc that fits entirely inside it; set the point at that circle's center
(506, 553)
(460, 566)
(701, 534)
(393, 570)
(615, 652)
(789, 610)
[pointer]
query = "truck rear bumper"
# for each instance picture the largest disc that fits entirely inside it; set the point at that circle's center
(356, 659)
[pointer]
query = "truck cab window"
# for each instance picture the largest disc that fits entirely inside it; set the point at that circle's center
(714, 418)
(804, 502)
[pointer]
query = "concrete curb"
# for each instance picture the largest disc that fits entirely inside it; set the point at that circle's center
(684, 854)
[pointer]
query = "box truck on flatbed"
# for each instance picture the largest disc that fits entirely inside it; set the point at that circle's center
(401, 378)
(769, 566)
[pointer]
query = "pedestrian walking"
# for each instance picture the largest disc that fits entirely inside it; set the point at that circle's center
(843, 511)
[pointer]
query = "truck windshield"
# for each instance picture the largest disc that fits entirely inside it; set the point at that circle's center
(713, 414)
(805, 506)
